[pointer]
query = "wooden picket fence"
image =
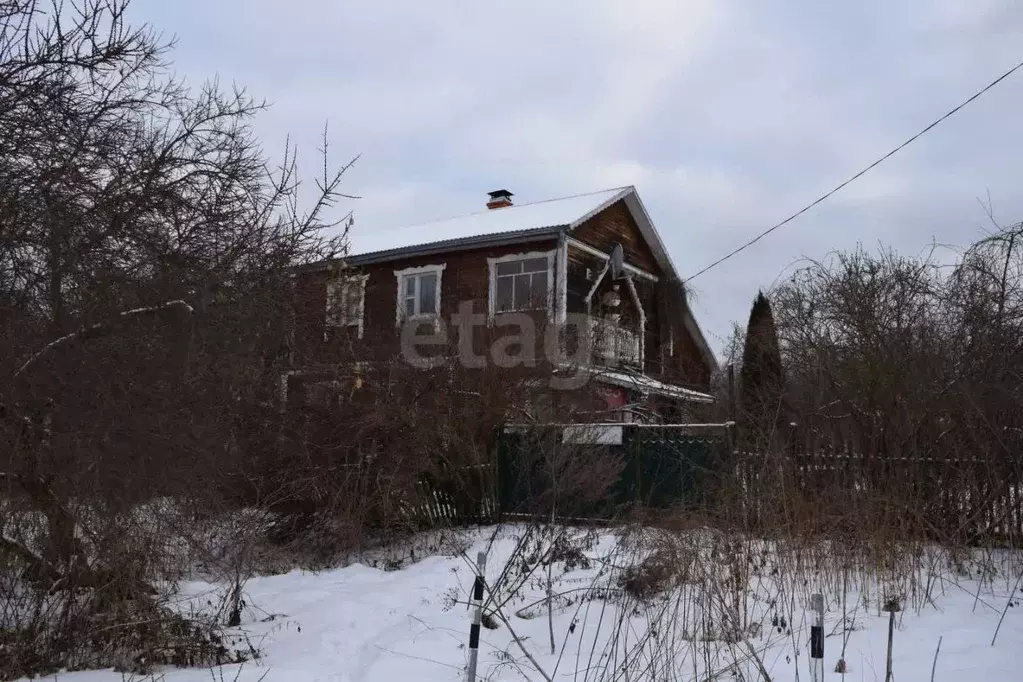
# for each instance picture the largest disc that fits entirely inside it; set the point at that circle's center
(972, 499)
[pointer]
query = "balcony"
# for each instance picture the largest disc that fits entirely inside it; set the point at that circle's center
(614, 345)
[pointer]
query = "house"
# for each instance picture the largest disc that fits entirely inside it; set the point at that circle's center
(589, 270)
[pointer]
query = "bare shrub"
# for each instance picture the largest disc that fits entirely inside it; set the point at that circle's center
(900, 421)
(377, 449)
(652, 576)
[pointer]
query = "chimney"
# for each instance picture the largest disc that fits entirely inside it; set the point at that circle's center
(499, 198)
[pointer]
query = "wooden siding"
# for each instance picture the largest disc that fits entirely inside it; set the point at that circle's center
(687, 365)
(466, 278)
(615, 225)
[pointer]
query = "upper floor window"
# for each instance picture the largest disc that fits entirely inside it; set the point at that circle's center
(521, 282)
(346, 302)
(418, 292)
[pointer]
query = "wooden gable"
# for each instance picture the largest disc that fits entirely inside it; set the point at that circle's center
(615, 225)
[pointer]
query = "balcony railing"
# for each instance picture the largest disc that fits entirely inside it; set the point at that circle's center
(613, 344)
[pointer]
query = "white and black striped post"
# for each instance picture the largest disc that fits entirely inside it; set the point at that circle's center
(477, 616)
(817, 638)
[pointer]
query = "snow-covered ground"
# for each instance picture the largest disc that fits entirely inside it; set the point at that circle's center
(367, 624)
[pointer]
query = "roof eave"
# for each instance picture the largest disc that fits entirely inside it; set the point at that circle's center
(449, 245)
(654, 386)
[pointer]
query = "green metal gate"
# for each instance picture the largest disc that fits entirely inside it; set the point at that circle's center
(659, 467)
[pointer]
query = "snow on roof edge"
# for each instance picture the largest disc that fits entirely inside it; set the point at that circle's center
(473, 240)
(643, 382)
(489, 211)
(519, 218)
(621, 193)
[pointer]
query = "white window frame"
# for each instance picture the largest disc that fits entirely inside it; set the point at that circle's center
(336, 317)
(399, 300)
(551, 284)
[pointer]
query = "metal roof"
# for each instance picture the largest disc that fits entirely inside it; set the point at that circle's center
(536, 219)
(648, 384)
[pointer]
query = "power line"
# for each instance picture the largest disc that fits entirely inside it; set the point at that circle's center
(857, 176)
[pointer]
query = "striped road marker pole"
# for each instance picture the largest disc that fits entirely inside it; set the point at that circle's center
(477, 616)
(817, 638)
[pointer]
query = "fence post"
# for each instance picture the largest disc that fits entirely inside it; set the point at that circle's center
(477, 616)
(817, 638)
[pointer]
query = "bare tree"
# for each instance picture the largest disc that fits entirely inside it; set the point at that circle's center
(908, 371)
(145, 250)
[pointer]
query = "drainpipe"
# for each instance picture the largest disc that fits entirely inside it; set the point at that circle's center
(561, 278)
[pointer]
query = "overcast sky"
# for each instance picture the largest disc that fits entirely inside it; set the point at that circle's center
(727, 116)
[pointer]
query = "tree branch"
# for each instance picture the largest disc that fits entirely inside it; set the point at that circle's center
(96, 329)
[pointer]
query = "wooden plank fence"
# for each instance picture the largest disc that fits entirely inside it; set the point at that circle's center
(675, 467)
(971, 499)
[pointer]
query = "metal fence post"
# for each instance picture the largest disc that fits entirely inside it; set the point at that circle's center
(817, 638)
(477, 616)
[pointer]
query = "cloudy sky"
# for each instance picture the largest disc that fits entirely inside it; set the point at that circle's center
(726, 115)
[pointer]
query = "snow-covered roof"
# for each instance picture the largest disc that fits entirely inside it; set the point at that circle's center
(648, 384)
(535, 217)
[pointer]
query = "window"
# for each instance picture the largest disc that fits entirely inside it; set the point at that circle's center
(420, 295)
(418, 292)
(521, 282)
(346, 301)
